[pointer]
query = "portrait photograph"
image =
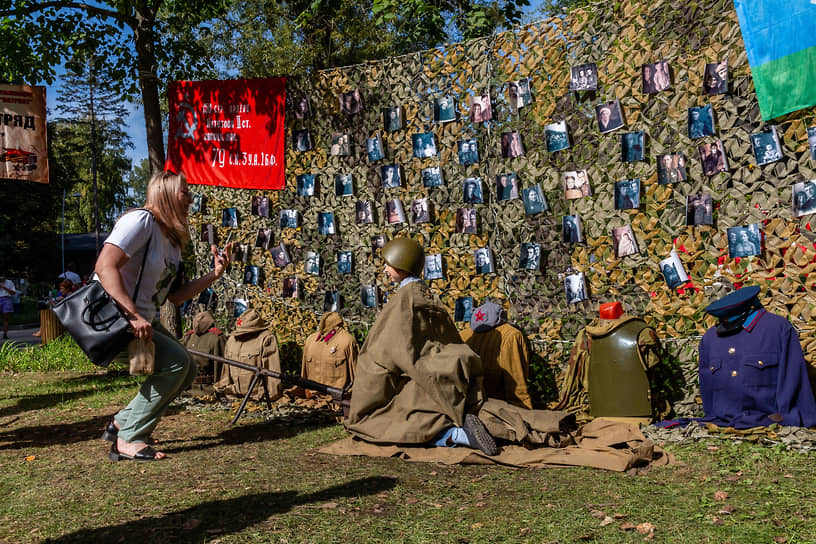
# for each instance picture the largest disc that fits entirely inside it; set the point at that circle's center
(364, 212)
(280, 256)
(424, 145)
(511, 145)
(239, 306)
(331, 301)
(369, 296)
(624, 239)
(207, 298)
(480, 108)
(530, 256)
(208, 233)
(288, 219)
(484, 261)
(229, 217)
(241, 253)
(744, 241)
(377, 242)
(325, 223)
(263, 238)
(433, 267)
(305, 184)
(609, 116)
(555, 136)
(420, 211)
(700, 121)
(715, 78)
(574, 288)
(507, 187)
(198, 202)
(351, 102)
(633, 145)
(468, 152)
(444, 109)
(303, 140)
(340, 144)
(432, 177)
(766, 146)
(571, 229)
(671, 168)
(576, 184)
(391, 178)
(344, 262)
(811, 132)
(374, 148)
(260, 206)
(804, 198)
(584, 77)
(699, 209)
(252, 275)
(302, 108)
(392, 118)
(673, 272)
(519, 94)
(627, 194)
(655, 77)
(463, 309)
(343, 185)
(311, 263)
(291, 287)
(472, 191)
(465, 221)
(712, 155)
(534, 201)
(394, 212)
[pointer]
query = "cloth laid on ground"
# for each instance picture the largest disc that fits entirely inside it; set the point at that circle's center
(604, 444)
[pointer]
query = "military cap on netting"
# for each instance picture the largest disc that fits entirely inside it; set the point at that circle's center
(735, 304)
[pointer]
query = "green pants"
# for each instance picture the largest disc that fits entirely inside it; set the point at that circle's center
(174, 371)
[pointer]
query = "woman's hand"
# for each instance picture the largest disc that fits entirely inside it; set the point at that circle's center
(141, 327)
(222, 259)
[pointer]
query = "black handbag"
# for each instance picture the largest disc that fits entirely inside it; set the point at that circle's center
(94, 320)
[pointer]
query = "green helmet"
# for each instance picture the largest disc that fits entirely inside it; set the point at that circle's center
(405, 254)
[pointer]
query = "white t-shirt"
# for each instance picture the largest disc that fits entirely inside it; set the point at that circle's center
(6, 288)
(73, 277)
(130, 234)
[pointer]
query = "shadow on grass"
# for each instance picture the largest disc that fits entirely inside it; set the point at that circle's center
(219, 518)
(50, 435)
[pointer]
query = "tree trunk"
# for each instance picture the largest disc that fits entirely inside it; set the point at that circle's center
(143, 34)
(170, 317)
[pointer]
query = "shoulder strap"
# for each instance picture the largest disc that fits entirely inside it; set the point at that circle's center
(144, 258)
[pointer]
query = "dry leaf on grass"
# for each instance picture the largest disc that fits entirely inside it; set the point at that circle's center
(597, 514)
(607, 521)
(780, 539)
(645, 528)
(720, 495)
(627, 526)
(727, 509)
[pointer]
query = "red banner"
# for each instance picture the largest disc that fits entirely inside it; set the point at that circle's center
(23, 142)
(228, 133)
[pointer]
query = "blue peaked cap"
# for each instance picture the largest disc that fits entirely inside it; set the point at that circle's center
(735, 304)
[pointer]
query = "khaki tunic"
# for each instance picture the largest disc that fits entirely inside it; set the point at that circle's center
(255, 348)
(330, 354)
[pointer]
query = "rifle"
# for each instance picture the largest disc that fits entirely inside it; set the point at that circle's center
(336, 394)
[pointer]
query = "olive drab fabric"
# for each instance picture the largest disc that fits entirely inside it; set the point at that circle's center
(207, 338)
(253, 344)
(330, 354)
(415, 376)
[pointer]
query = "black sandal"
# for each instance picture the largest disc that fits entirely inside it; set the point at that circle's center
(145, 454)
(111, 433)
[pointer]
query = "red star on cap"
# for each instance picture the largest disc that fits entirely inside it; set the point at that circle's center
(239, 322)
(480, 315)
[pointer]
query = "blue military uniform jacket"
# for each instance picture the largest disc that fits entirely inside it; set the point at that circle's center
(756, 376)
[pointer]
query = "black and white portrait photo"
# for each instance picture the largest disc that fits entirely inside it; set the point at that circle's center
(534, 201)
(766, 146)
(302, 108)
(627, 194)
(472, 191)
(804, 198)
(556, 137)
(433, 267)
(208, 233)
(305, 184)
(507, 187)
(280, 256)
(392, 118)
(633, 145)
(655, 77)
(519, 94)
(744, 241)
(624, 240)
(444, 109)
(331, 301)
(377, 242)
(291, 287)
(344, 262)
(468, 152)
(303, 140)
(712, 155)
(368, 296)
(584, 77)
(340, 144)
(432, 177)
(263, 238)
(574, 288)
(480, 108)
(260, 206)
(394, 212)
(343, 185)
(420, 212)
(239, 306)
(700, 121)
(571, 229)
(609, 116)
(364, 212)
(673, 272)
(229, 217)
(252, 275)
(715, 78)
(671, 168)
(351, 102)
(511, 145)
(374, 148)
(576, 184)
(288, 219)
(424, 145)
(391, 178)
(463, 309)
(484, 261)
(325, 223)
(811, 132)
(530, 256)
(699, 209)
(465, 221)
(241, 253)
(198, 202)
(311, 263)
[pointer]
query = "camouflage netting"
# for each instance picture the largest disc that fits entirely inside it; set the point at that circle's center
(619, 37)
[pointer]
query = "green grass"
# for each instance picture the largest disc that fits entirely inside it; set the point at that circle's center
(60, 354)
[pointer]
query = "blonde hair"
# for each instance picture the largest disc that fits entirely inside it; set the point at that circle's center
(162, 199)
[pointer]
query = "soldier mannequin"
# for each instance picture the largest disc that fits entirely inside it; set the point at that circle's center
(329, 354)
(206, 337)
